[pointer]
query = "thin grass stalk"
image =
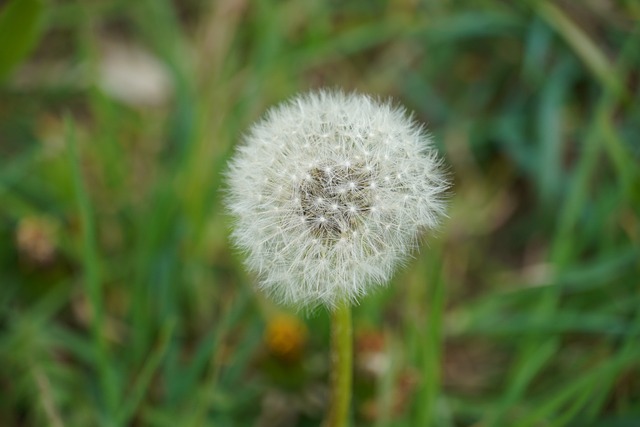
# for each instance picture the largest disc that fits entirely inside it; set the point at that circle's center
(92, 280)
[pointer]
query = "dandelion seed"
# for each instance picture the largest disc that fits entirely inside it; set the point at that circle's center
(319, 256)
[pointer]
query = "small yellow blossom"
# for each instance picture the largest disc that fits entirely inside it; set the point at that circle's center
(286, 336)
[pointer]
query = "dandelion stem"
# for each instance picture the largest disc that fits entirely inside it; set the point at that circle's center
(341, 366)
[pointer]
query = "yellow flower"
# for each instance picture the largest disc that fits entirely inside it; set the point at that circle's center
(286, 336)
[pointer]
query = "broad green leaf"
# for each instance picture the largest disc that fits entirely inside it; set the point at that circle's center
(20, 28)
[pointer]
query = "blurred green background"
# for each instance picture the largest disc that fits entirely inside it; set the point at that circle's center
(122, 303)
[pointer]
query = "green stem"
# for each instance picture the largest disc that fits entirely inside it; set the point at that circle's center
(341, 366)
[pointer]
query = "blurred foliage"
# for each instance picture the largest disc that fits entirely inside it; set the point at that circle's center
(19, 28)
(121, 302)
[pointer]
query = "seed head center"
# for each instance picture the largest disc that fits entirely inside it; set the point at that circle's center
(336, 200)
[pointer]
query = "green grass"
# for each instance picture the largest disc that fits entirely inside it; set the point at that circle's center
(122, 302)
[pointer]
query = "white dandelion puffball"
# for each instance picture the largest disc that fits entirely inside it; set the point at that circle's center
(330, 192)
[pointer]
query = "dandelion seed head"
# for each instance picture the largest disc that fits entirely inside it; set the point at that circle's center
(318, 235)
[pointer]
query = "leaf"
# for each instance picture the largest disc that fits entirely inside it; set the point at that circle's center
(20, 29)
